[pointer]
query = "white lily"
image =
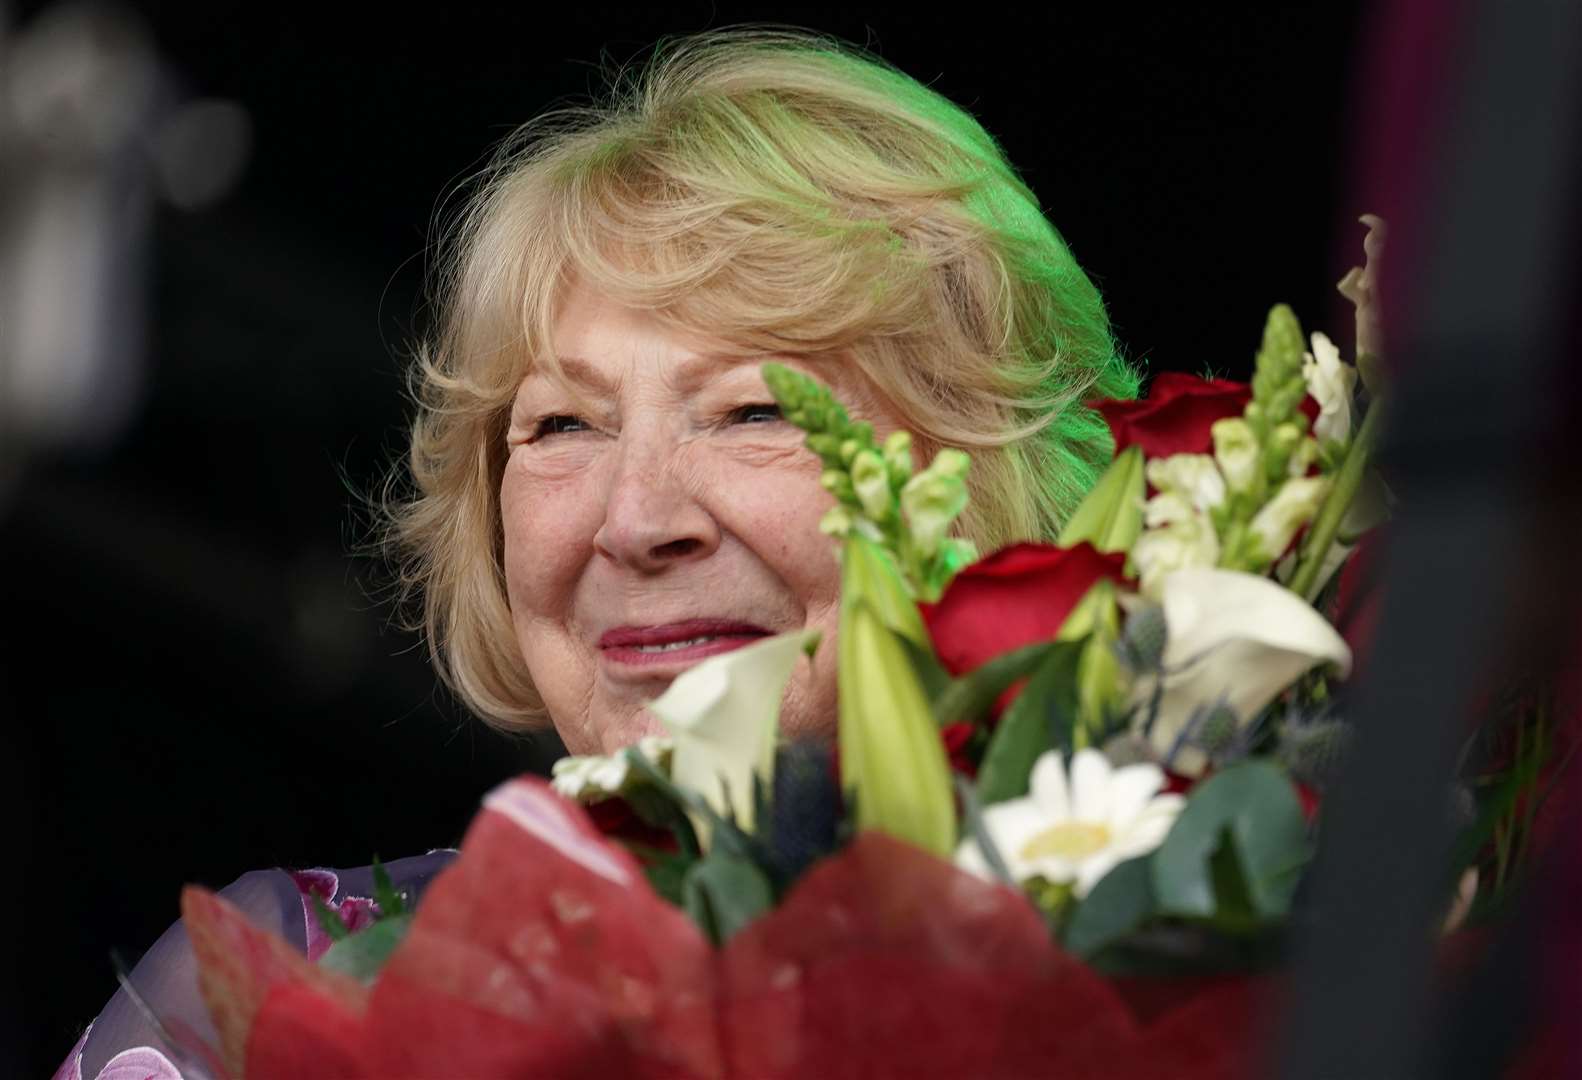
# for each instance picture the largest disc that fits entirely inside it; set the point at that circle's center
(1234, 639)
(1176, 535)
(594, 777)
(723, 716)
(1075, 829)
(1331, 383)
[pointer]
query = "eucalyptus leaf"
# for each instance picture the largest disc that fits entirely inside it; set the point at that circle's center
(1041, 718)
(1122, 901)
(1252, 810)
(973, 694)
(723, 893)
(364, 953)
(1111, 516)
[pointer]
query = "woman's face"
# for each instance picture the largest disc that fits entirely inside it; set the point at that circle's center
(657, 511)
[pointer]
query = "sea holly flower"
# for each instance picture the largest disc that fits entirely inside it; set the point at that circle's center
(593, 777)
(723, 715)
(1293, 506)
(1177, 535)
(1234, 640)
(1331, 383)
(1072, 829)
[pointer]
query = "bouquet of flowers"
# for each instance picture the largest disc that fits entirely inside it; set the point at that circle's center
(1063, 832)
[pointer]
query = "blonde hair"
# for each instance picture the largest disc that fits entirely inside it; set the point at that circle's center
(791, 194)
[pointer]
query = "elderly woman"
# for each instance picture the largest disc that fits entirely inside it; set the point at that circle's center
(603, 491)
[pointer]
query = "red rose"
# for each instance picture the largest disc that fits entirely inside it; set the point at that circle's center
(1015, 597)
(1176, 416)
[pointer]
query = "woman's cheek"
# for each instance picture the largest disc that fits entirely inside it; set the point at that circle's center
(549, 518)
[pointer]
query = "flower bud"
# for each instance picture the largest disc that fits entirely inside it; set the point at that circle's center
(837, 484)
(898, 456)
(871, 482)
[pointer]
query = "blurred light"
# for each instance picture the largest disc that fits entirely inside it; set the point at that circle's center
(90, 138)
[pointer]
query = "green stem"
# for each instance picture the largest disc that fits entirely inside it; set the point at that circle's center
(1327, 524)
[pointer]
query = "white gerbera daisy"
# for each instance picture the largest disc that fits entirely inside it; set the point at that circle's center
(1074, 830)
(595, 777)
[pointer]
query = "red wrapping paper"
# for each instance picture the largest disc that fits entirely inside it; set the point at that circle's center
(542, 951)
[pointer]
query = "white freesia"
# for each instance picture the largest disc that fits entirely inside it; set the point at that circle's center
(1235, 452)
(594, 777)
(723, 716)
(1293, 506)
(1074, 829)
(1176, 535)
(1234, 639)
(1194, 477)
(1331, 383)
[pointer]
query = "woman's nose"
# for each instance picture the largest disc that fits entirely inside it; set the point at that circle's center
(654, 520)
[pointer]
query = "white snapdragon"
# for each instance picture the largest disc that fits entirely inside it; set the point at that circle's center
(1194, 477)
(1293, 506)
(1331, 382)
(1175, 535)
(1235, 452)
(933, 499)
(1073, 828)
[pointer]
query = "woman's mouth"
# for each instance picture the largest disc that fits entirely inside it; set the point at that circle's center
(678, 644)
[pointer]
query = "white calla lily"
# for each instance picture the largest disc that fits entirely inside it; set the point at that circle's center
(723, 716)
(1236, 640)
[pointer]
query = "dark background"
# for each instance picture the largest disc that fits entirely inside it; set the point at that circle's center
(200, 678)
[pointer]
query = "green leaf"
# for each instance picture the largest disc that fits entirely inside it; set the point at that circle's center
(722, 894)
(931, 674)
(1111, 516)
(364, 953)
(972, 695)
(1122, 901)
(390, 902)
(664, 870)
(1253, 810)
(1041, 718)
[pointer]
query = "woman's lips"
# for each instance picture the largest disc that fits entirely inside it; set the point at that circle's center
(675, 645)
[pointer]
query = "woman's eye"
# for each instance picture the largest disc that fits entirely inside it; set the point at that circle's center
(758, 413)
(558, 425)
